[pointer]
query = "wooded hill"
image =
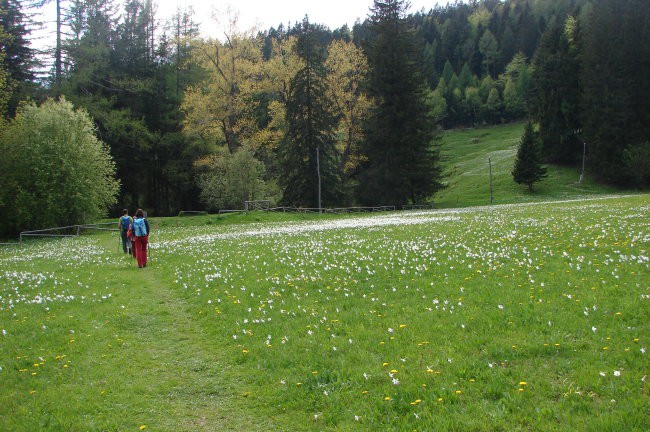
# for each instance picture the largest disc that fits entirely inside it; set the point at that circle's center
(193, 123)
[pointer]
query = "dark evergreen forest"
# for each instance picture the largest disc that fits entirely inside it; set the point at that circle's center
(193, 123)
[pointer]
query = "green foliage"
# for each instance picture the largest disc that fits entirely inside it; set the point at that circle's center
(309, 156)
(528, 167)
(555, 95)
(133, 92)
(517, 82)
(488, 47)
(401, 136)
(159, 108)
(616, 99)
(5, 84)
(636, 159)
(18, 57)
(227, 180)
(54, 171)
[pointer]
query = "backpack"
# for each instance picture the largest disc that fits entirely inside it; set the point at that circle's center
(139, 227)
(125, 221)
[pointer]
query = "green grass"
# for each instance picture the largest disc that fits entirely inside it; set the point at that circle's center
(513, 318)
(465, 158)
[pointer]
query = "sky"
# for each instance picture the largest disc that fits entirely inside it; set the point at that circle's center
(261, 13)
(272, 13)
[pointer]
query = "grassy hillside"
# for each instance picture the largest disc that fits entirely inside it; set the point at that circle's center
(466, 152)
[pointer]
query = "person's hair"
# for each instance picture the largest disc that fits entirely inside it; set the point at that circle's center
(139, 213)
(125, 211)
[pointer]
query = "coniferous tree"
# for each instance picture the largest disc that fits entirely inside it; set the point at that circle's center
(528, 167)
(19, 58)
(308, 151)
(616, 99)
(400, 145)
(555, 95)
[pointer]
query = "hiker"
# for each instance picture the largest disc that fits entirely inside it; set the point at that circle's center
(124, 223)
(141, 232)
(131, 236)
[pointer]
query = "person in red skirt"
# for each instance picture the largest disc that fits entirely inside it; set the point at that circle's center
(141, 232)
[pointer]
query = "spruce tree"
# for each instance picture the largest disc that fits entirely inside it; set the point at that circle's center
(19, 59)
(616, 97)
(555, 96)
(308, 151)
(528, 167)
(400, 146)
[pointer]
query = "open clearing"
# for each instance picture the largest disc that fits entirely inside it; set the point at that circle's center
(514, 317)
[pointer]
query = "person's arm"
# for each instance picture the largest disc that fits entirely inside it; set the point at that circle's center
(146, 223)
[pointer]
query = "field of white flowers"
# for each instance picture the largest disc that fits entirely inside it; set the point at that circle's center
(532, 317)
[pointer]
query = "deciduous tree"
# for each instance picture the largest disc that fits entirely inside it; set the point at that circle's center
(54, 171)
(347, 69)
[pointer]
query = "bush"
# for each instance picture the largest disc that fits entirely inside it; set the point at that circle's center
(636, 158)
(226, 180)
(54, 171)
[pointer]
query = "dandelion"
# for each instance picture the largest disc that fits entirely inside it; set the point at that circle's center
(143, 427)
(387, 398)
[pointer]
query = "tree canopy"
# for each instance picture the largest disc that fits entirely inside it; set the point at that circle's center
(364, 113)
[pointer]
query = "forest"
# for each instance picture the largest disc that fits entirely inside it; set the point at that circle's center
(304, 115)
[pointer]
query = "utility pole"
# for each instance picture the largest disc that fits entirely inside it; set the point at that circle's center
(491, 195)
(320, 207)
(584, 153)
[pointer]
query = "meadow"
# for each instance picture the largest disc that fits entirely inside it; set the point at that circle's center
(503, 318)
(466, 157)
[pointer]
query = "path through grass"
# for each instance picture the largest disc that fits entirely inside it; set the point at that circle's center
(127, 355)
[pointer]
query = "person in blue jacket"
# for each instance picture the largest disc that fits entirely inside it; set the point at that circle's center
(141, 232)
